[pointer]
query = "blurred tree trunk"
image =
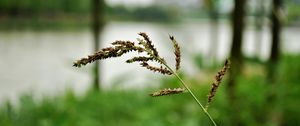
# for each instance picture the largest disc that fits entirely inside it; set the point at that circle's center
(272, 96)
(276, 29)
(236, 58)
(214, 29)
(97, 25)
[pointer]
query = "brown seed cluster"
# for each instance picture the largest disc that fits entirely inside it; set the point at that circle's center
(160, 69)
(139, 59)
(176, 52)
(120, 48)
(217, 82)
(145, 45)
(168, 91)
(148, 44)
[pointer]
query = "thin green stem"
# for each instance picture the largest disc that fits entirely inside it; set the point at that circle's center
(192, 94)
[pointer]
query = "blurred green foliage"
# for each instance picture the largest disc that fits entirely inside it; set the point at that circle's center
(148, 14)
(20, 14)
(112, 108)
(34, 7)
(136, 107)
(293, 12)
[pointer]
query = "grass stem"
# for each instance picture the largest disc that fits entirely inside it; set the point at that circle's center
(192, 94)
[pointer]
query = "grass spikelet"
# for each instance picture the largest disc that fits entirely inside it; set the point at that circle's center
(168, 91)
(149, 44)
(120, 48)
(102, 54)
(217, 82)
(176, 52)
(156, 69)
(123, 43)
(139, 59)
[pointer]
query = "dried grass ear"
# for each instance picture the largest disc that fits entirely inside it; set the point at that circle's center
(149, 44)
(176, 52)
(139, 59)
(119, 48)
(217, 82)
(160, 69)
(168, 91)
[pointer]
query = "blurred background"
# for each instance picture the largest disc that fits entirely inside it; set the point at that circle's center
(40, 40)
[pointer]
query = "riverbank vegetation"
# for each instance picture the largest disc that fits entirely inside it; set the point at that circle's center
(64, 14)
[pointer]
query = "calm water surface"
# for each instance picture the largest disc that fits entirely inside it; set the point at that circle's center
(41, 62)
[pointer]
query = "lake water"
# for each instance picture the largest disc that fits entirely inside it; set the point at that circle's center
(40, 62)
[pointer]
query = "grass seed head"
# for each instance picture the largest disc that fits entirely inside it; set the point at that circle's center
(160, 69)
(217, 82)
(149, 44)
(176, 52)
(168, 91)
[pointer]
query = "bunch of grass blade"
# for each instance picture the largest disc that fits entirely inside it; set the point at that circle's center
(146, 46)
